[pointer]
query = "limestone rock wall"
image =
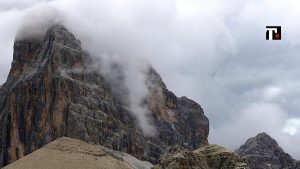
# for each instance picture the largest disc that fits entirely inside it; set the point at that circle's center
(51, 91)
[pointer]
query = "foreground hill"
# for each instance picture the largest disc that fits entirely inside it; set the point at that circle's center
(51, 91)
(67, 153)
(207, 157)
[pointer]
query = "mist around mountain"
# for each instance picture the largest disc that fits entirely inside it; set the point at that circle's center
(56, 89)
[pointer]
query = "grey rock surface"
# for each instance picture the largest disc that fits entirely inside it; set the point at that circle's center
(263, 152)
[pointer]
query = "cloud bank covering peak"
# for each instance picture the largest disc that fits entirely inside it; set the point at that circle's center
(214, 52)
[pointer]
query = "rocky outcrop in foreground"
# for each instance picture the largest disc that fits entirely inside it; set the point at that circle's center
(51, 91)
(263, 152)
(67, 153)
(211, 156)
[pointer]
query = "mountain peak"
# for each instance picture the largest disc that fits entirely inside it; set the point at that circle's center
(58, 27)
(51, 92)
(262, 151)
(32, 54)
(60, 34)
(264, 141)
(264, 135)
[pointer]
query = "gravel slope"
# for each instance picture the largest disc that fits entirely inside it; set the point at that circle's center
(68, 153)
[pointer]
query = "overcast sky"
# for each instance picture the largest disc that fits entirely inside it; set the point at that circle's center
(214, 52)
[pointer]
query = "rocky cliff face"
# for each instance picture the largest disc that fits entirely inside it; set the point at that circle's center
(263, 152)
(211, 156)
(51, 91)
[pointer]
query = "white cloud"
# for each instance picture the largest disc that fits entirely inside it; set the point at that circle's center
(256, 118)
(271, 92)
(292, 126)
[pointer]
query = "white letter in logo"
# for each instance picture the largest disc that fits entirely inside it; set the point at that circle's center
(271, 32)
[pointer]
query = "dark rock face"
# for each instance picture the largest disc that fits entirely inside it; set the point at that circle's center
(263, 152)
(207, 157)
(177, 115)
(51, 91)
(296, 165)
